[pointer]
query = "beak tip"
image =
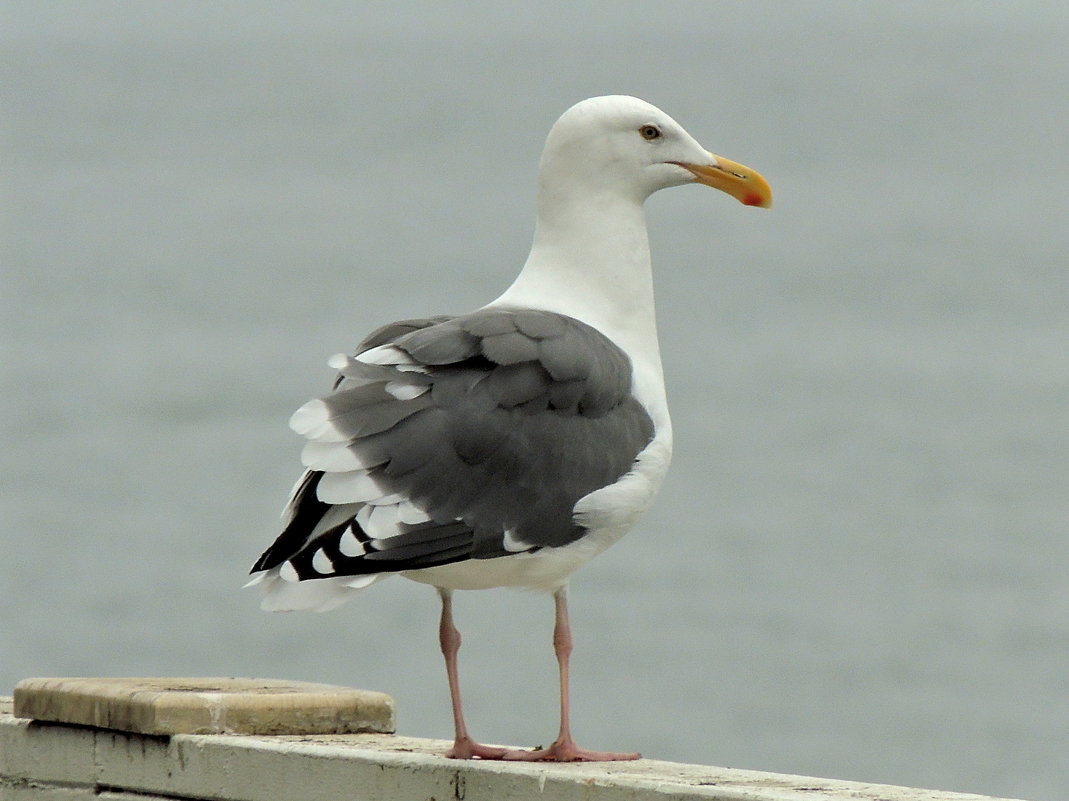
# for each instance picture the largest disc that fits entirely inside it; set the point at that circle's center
(742, 183)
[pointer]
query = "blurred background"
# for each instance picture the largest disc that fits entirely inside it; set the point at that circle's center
(858, 565)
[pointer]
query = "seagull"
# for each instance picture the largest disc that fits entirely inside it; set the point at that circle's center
(508, 446)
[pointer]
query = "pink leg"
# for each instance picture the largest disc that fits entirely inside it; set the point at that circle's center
(463, 746)
(564, 748)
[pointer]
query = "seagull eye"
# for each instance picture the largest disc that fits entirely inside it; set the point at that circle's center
(650, 132)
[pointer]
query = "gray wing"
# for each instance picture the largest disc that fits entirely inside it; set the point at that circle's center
(448, 439)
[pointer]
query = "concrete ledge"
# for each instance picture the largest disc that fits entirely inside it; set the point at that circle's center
(205, 705)
(59, 762)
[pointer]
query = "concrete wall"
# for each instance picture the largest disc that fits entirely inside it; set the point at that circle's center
(62, 762)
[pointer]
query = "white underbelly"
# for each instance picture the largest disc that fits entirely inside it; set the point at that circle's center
(547, 569)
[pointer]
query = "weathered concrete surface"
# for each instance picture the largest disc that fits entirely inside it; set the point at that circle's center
(205, 705)
(57, 762)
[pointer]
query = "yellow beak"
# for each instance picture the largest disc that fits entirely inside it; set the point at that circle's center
(745, 185)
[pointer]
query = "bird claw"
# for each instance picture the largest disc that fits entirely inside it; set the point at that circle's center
(467, 748)
(560, 751)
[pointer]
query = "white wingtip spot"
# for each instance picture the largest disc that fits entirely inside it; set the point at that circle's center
(288, 572)
(382, 522)
(349, 545)
(259, 578)
(310, 416)
(322, 564)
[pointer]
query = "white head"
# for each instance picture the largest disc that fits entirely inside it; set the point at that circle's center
(590, 257)
(622, 145)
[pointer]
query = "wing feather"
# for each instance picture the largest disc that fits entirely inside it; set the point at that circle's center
(458, 438)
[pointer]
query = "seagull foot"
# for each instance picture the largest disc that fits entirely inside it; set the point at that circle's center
(467, 748)
(567, 751)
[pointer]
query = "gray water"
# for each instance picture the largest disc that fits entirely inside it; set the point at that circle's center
(858, 565)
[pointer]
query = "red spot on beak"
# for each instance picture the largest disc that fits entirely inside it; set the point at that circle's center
(752, 200)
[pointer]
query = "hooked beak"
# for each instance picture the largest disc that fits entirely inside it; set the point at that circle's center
(742, 183)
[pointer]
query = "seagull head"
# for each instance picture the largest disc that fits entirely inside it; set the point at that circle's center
(619, 144)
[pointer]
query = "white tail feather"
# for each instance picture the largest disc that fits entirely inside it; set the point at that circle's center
(317, 595)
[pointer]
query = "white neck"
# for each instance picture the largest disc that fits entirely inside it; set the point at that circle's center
(591, 260)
